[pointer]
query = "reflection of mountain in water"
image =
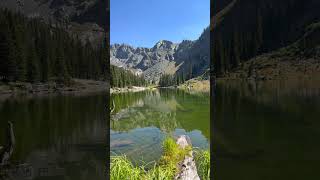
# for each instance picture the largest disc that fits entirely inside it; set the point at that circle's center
(163, 109)
(150, 110)
(142, 120)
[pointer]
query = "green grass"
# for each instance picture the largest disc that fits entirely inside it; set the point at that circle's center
(202, 159)
(122, 169)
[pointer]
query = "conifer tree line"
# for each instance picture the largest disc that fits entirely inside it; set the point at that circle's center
(125, 78)
(190, 71)
(172, 80)
(34, 51)
(230, 51)
(253, 28)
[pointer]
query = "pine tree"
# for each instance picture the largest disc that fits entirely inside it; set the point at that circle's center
(31, 50)
(32, 64)
(60, 67)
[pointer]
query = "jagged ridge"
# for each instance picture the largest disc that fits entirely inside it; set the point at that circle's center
(165, 57)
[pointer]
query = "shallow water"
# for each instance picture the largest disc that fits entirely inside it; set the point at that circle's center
(267, 130)
(57, 137)
(143, 119)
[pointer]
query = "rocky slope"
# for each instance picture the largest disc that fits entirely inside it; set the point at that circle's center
(86, 18)
(300, 59)
(164, 57)
(248, 31)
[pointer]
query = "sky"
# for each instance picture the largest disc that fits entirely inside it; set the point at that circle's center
(142, 23)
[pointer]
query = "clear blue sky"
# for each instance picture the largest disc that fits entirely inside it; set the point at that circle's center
(142, 23)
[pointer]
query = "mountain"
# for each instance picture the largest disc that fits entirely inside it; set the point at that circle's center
(258, 35)
(165, 57)
(85, 18)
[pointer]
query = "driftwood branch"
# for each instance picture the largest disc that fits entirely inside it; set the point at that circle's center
(113, 107)
(7, 150)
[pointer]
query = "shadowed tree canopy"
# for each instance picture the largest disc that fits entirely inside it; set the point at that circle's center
(34, 51)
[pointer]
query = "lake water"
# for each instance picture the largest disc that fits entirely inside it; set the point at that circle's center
(267, 130)
(57, 137)
(142, 120)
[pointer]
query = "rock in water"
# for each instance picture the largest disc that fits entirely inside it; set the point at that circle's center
(188, 169)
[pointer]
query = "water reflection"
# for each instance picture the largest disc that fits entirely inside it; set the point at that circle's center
(57, 136)
(141, 121)
(267, 130)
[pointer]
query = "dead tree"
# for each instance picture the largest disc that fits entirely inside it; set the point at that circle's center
(113, 107)
(7, 150)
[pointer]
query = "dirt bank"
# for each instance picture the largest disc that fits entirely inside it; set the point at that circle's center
(196, 85)
(129, 89)
(76, 86)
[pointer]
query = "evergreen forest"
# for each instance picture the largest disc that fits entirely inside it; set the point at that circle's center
(125, 78)
(35, 51)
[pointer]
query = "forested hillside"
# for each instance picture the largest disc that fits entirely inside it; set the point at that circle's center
(125, 78)
(34, 51)
(172, 80)
(86, 18)
(247, 29)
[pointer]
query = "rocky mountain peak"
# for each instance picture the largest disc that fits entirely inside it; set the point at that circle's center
(164, 44)
(165, 57)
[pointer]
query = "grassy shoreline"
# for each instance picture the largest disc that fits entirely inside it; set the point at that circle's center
(165, 169)
(196, 85)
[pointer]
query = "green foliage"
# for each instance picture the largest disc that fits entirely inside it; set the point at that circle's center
(33, 51)
(172, 153)
(121, 168)
(202, 158)
(124, 78)
(160, 173)
(171, 80)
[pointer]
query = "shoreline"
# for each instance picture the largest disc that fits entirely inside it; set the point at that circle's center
(266, 79)
(116, 90)
(79, 86)
(195, 85)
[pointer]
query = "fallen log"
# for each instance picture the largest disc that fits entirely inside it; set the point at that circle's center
(187, 167)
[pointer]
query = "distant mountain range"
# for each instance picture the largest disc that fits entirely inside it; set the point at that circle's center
(165, 57)
(85, 18)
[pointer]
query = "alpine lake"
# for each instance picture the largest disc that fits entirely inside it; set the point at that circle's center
(142, 120)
